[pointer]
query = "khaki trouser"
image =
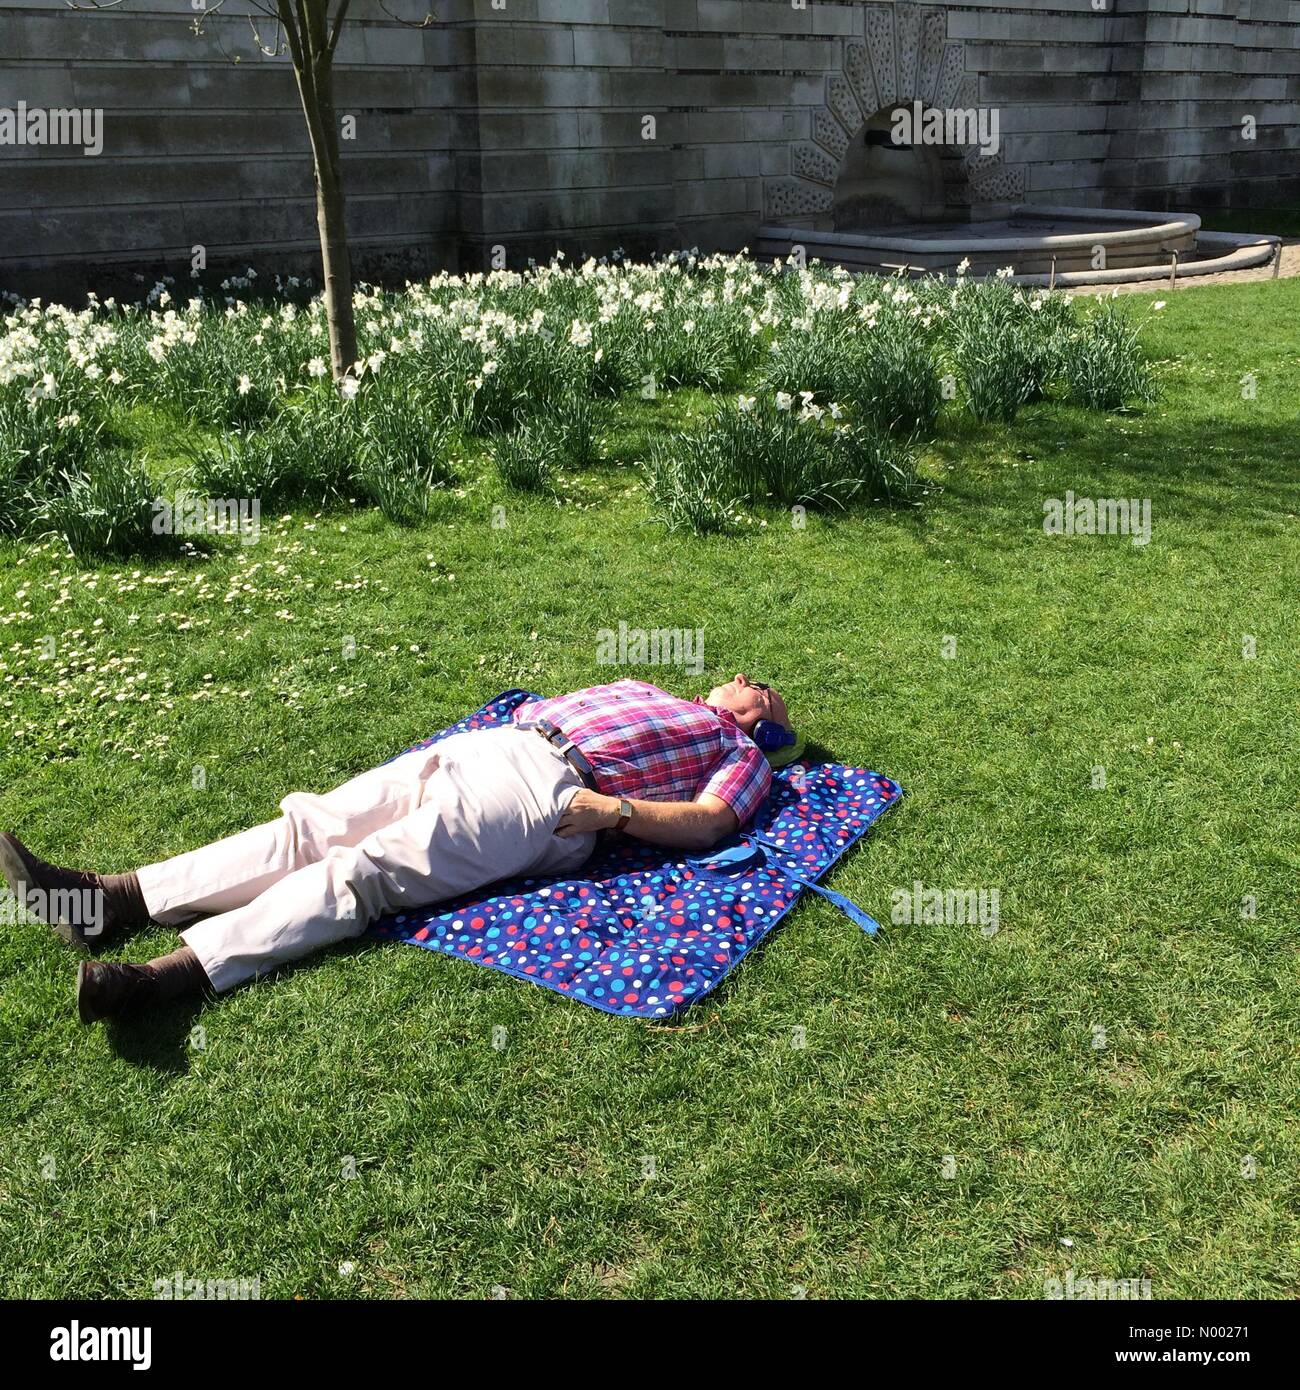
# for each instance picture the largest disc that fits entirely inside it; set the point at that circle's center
(430, 825)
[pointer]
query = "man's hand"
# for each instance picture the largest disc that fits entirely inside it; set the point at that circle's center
(587, 811)
(697, 824)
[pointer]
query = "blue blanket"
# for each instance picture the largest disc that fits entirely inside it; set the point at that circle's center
(646, 932)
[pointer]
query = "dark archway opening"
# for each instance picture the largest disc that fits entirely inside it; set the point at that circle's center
(883, 183)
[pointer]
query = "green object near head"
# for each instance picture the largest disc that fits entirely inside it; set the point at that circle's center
(780, 757)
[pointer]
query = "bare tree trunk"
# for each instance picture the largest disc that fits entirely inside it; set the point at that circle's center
(317, 91)
(311, 39)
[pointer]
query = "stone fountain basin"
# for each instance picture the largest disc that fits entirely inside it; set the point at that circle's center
(1043, 245)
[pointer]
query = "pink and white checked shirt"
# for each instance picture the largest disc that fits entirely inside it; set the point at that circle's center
(644, 743)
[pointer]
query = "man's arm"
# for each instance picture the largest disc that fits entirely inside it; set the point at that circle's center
(697, 824)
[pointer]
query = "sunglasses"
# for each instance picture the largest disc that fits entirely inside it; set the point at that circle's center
(767, 733)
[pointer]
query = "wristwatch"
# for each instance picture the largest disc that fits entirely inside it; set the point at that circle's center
(624, 812)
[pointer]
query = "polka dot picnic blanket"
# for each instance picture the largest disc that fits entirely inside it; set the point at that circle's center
(646, 932)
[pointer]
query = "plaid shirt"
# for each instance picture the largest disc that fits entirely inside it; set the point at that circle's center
(647, 744)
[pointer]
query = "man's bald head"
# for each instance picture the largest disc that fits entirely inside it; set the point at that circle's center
(749, 701)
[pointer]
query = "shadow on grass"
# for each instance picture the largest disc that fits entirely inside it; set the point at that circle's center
(160, 1040)
(1197, 468)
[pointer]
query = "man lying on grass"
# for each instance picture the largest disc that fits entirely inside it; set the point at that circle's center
(524, 798)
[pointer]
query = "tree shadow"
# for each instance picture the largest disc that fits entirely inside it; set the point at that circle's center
(1194, 468)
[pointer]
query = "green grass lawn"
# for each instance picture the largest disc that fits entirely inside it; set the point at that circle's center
(349, 1129)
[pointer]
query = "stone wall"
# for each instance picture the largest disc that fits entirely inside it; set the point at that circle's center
(523, 124)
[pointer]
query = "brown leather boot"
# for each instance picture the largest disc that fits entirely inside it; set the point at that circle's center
(111, 989)
(85, 909)
(118, 989)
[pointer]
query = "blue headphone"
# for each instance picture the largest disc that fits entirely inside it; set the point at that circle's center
(771, 736)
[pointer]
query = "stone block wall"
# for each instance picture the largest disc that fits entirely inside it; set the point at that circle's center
(590, 124)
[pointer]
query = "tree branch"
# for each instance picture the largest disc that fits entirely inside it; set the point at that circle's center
(309, 16)
(294, 39)
(427, 22)
(339, 17)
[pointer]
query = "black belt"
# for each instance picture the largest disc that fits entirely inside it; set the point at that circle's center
(558, 739)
